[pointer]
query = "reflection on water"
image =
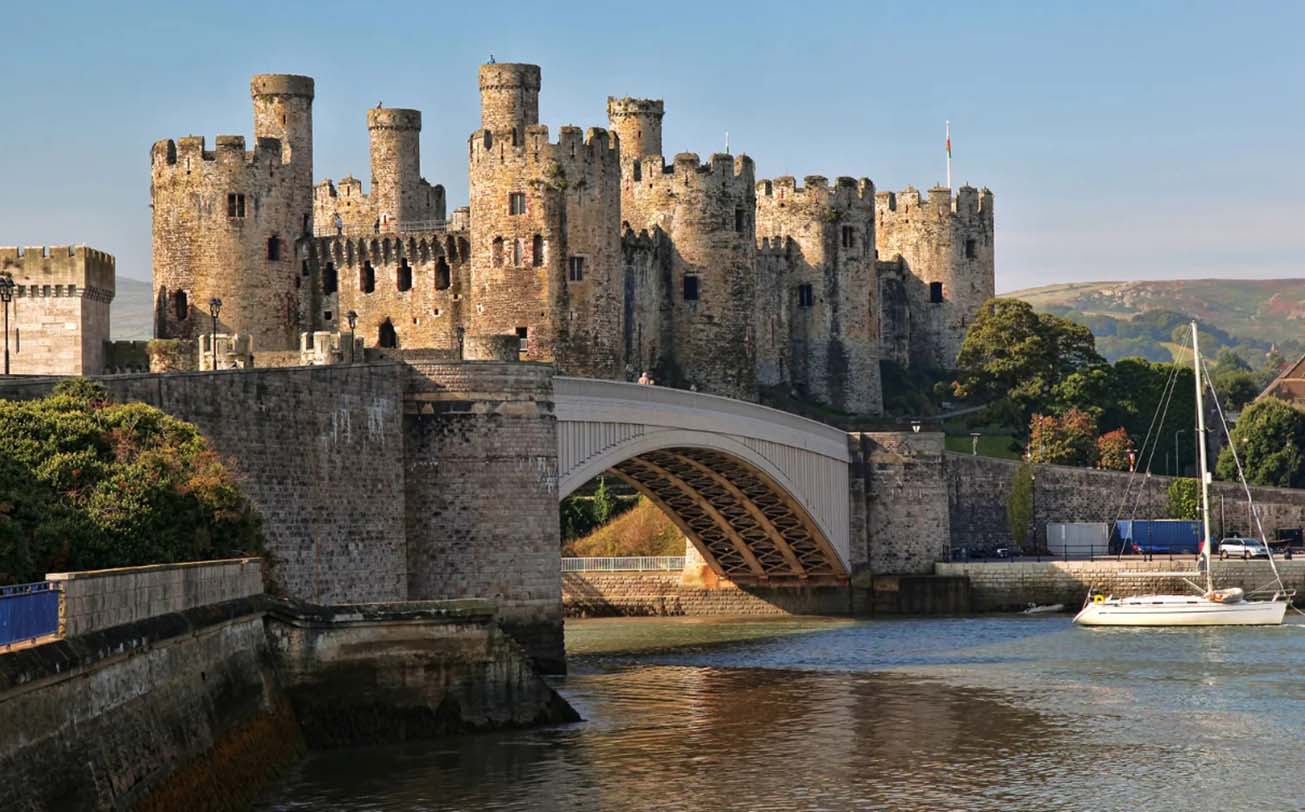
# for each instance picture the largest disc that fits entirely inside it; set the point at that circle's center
(972, 714)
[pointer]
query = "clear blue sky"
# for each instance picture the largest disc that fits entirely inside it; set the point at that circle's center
(1121, 142)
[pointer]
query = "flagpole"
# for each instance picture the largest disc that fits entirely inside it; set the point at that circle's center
(949, 156)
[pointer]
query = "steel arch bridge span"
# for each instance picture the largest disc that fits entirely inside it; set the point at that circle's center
(762, 494)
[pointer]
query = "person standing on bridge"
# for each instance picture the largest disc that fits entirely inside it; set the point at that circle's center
(645, 379)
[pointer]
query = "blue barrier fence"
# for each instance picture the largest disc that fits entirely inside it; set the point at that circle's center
(28, 611)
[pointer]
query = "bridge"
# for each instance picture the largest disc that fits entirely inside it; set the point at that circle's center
(762, 494)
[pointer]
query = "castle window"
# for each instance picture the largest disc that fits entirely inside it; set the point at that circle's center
(517, 203)
(496, 252)
(367, 278)
(537, 251)
(180, 306)
(518, 248)
(442, 275)
(849, 237)
(303, 268)
(387, 337)
(935, 293)
(235, 205)
(739, 221)
(330, 279)
(308, 226)
(273, 248)
(575, 269)
(637, 170)
(806, 297)
(690, 288)
(523, 343)
(404, 277)
(327, 316)
(450, 248)
(971, 249)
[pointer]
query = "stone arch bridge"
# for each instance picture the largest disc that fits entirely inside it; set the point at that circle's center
(762, 494)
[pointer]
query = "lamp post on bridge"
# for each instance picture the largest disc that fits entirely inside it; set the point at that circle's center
(6, 296)
(352, 318)
(1177, 470)
(214, 307)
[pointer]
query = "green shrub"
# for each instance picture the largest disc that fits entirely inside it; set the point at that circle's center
(88, 484)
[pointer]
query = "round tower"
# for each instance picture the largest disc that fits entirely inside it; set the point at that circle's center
(396, 164)
(283, 109)
(509, 96)
(825, 238)
(638, 123)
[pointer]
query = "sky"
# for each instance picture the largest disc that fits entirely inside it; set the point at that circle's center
(1153, 140)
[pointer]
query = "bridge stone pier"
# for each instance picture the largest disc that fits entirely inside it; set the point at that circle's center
(762, 494)
(435, 480)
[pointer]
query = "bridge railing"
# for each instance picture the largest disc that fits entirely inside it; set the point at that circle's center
(28, 611)
(638, 563)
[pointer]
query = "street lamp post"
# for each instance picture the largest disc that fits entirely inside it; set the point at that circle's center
(6, 296)
(1177, 471)
(352, 317)
(214, 307)
(974, 442)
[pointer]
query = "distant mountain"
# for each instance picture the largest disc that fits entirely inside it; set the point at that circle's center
(131, 316)
(1249, 316)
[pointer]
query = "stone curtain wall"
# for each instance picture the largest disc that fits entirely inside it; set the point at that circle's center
(99, 599)
(318, 450)
(481, 495)
(899, 519)
(978, 487)
(637, 594)
(1014, 585)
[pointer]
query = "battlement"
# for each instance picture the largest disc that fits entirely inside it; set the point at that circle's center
(815, 189)
(509, 75)
(60, 270)
(420, 246)
(774, 247)
(627, 106)
(393, 118)
(968, 203)
(687, 169)
(573, 145)
(190, 151)
(349, 186)
(281, 84)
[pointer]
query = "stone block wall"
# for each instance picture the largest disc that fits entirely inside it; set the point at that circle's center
(613, 594)
(999, 585)
(480, 486)
(900, 523)
(59, 317)
(978, 487)
(99, 599)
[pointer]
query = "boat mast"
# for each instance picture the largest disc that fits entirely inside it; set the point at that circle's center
(1205, 476)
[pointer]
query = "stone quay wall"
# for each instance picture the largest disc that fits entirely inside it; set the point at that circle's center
(1014, 585)
(978, 487)
(99, 599)
(899, 517)
(637, 594)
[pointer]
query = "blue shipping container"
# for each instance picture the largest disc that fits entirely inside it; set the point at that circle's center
(28, 611)
(1150, 536)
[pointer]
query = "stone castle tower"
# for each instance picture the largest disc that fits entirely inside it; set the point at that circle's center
(227, 220)
(943, 250)
(594, 251)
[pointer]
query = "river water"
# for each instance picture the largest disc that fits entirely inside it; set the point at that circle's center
(986, 713)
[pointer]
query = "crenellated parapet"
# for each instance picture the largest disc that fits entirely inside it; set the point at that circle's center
(969, 203)
(638, 122)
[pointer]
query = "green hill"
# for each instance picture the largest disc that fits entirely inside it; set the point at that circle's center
(131, 316)
(1248, 316)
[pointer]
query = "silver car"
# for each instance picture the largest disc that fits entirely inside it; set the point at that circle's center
(1242, 548)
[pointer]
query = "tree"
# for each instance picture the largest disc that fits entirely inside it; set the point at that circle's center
(1112, 450)
(603, 503)
(1185, 499)
(89, 484)
(1019, 505)
(1013, 354)
(1270, 437)
(1235, 388)
(1070, 439)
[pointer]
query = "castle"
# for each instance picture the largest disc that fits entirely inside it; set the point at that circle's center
(59, 317)
(596, 252)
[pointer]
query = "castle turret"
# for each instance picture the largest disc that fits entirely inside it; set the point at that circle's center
(396, 192)
(638, 123)
(545, 232)
(945, 247)
(705, 336)
(509, 97)
(226, 222)
(822, 241)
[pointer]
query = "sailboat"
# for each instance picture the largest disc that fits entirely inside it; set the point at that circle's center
(1207, 606)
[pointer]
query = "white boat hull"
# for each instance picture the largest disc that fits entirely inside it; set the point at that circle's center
(1179, 610)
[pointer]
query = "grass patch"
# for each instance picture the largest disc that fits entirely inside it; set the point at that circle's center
(642, 530)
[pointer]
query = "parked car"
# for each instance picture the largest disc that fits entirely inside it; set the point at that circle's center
(1242, 548)
(1008, 552)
